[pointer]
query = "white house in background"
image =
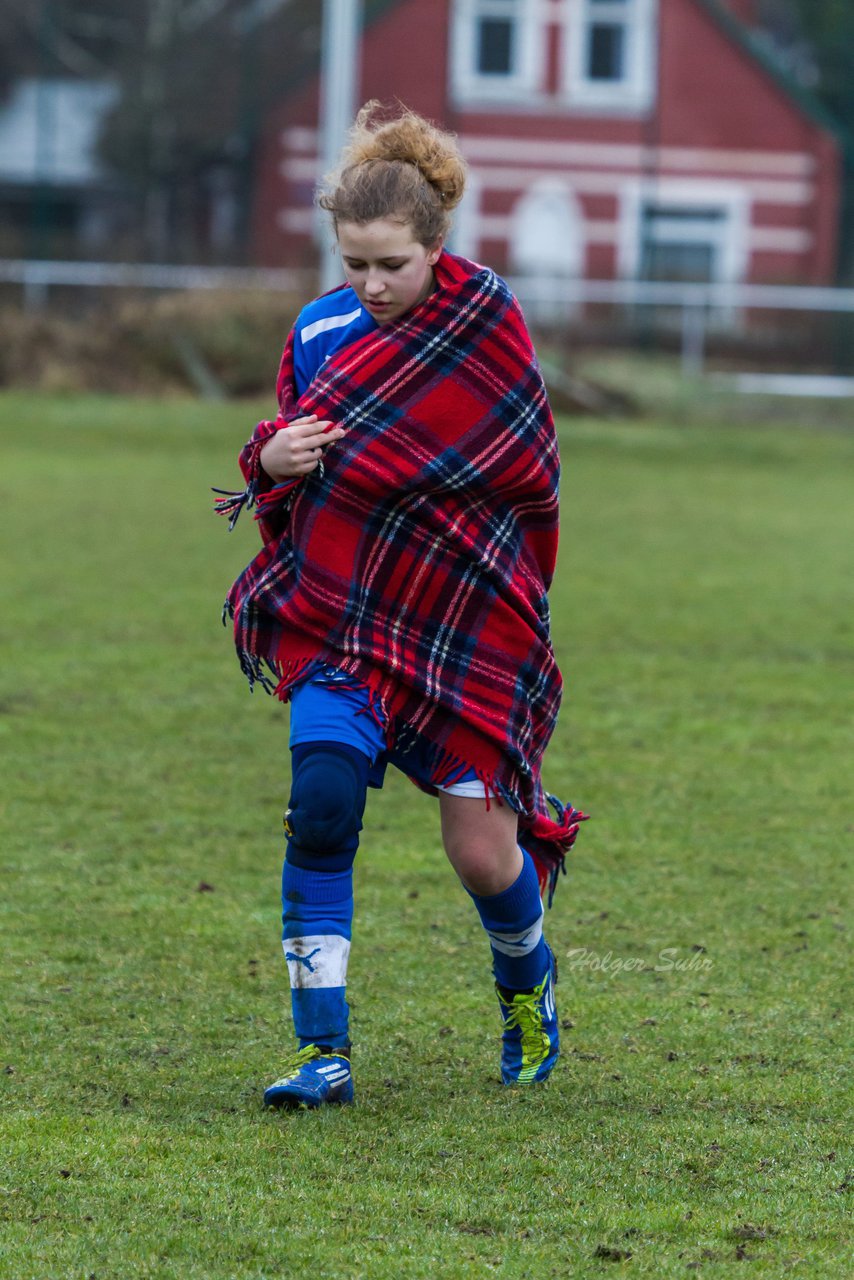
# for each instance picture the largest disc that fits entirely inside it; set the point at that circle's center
(50, 178)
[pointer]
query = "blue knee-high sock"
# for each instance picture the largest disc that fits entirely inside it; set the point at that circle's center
(513, 920)
(317, 917)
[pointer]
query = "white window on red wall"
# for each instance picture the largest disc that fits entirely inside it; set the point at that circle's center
(682, 242)
(499, 53)
(611, 54)
(694, 230)
(496, 50)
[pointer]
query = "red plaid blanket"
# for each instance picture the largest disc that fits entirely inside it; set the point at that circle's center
(418, 556)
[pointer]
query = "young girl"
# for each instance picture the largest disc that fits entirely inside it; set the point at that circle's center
(407, 501)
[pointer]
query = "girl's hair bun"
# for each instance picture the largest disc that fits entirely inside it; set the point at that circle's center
(409, 138)
(397, 166)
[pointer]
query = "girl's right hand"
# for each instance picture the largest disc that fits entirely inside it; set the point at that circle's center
(296, 450)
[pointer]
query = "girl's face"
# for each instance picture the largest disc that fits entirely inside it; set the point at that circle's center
(389, 271)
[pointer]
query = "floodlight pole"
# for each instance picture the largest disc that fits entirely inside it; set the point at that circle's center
(339, 82)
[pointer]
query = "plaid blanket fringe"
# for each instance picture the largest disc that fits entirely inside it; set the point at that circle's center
(547, 842)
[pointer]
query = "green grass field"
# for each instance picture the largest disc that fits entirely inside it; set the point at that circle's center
(697, 1119)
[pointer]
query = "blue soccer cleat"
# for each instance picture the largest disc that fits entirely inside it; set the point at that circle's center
(314, 1077)
(531, 1041)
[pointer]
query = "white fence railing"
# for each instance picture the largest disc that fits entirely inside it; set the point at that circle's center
(555, 300)
(699, 305)
(37, 277)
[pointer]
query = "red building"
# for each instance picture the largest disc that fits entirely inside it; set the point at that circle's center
(605, 138)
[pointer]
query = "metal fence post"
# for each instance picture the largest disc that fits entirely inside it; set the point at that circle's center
(693, 338)
(339, 88)
(35, 288)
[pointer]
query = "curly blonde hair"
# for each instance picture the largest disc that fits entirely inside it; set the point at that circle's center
(404, 168)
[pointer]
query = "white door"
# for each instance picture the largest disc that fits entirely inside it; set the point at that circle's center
(547, 248)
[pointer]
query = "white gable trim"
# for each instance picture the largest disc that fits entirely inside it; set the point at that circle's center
(602, 231)
(621, 155)
(597, 182)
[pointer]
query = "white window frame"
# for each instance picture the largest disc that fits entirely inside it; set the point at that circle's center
(732, 251)
(470, 84)
(636, 91)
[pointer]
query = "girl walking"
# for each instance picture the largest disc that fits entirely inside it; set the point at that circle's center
(406, 496)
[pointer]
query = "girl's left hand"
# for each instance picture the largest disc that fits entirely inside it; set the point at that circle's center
(296, 449)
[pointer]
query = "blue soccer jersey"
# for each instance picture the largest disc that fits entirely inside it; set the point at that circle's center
(324, 326)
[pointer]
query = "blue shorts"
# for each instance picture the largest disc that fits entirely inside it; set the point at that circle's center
(328, 707)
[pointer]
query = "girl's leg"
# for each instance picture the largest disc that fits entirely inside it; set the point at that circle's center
(501, 879)
(482, 848)
(322, 823)
(480, 842)
(332, 750)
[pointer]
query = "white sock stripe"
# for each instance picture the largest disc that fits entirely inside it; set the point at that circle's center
(517, 944)
(318, 960)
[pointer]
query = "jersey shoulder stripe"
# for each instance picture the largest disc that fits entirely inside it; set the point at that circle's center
(328, 322)
(323, 327)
